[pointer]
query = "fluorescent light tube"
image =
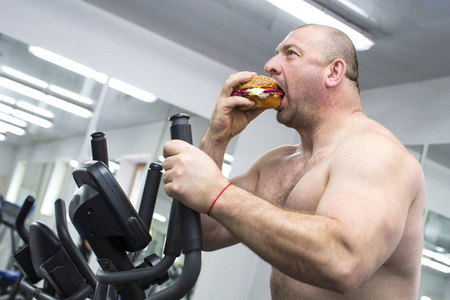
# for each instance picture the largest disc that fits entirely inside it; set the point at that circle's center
(25, 77)
(101, 77)
(435, 265)
(70, 94)
(2, 137)
(36, 109)
(69, 107)
(7, 99)
(10, 119)
(62, 61)
(131, 90)
(11, 128)
(159, 217)
(437, 256)
(74, 163)
(6, 109)
(311, 14)
(32, 118)
(21, 89)
(113, 166)
(228, 157)
(355, 8)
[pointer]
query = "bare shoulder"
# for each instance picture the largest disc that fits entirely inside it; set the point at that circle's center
(378, 150)
(279, 153)
(268, 161)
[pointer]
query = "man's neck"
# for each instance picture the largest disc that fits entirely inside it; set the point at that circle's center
(328, 132)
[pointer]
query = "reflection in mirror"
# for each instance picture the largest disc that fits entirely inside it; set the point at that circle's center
(49, 106)
(436, 257)
(39, 100)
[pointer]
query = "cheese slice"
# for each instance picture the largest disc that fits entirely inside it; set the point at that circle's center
(255, 91)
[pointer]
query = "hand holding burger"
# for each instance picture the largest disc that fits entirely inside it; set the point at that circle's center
(262, 90)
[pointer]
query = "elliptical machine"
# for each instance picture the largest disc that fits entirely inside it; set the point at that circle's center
(103, 216)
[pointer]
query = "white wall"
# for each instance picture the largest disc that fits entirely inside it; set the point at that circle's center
(417, 113)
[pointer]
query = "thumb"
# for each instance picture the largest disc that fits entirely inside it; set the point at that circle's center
(173, 147)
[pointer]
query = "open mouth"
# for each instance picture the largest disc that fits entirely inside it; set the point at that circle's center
(281, 92)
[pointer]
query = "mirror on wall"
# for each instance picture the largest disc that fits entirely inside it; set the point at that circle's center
(41, 101)
(435, 281)
(49, 106)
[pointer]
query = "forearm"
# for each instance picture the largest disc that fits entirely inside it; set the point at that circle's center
(215, 150)
(215, 236)
(303, 246)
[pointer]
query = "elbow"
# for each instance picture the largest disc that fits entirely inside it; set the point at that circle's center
(345, 277)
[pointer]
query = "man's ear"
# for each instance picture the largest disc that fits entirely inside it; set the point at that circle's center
(335, 73)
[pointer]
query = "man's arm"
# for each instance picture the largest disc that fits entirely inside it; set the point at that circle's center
(359, 222)
(226, 122)
(215, 235)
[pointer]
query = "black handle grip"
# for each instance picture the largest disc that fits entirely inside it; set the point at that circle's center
(21, 216)
(191, 233)
(173, 236)
(150, 193)
(99, 147)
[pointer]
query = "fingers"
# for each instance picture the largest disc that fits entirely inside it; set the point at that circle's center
(171, 150)
(234, 80)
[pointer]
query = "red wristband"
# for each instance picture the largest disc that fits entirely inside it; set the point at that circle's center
(214, 202)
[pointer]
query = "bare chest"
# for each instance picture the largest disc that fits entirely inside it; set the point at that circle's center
(294, 184)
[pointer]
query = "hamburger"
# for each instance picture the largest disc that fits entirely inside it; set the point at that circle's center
(262, 90)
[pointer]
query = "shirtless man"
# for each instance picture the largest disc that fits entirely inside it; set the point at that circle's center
(338, 216)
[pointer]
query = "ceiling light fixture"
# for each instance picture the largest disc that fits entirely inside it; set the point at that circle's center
(309, 13)
(13, 120)
(36, 109)
(62, 61)
(69, 107)
(2, 137)
(11, 128)
(67, 63)
(6, 109)
(21, 89)
(101, 77)
(25, 77)
(437, 256)
(355, 8)
(53, 101)
(159, 217)
(69, 94)
(32, 118)
(7, 99)
(435, 265)
(74, 163)
(131, 90)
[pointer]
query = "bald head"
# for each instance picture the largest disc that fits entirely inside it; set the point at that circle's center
(336, 44)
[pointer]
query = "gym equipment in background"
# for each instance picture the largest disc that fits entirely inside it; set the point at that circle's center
(103, 216)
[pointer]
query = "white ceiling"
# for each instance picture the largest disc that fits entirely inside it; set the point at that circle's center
(411, 44)
(412, 37)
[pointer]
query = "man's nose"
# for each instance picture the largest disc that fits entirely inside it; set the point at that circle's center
(272, 67)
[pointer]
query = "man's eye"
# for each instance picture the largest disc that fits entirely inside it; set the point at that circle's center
(291, 52)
